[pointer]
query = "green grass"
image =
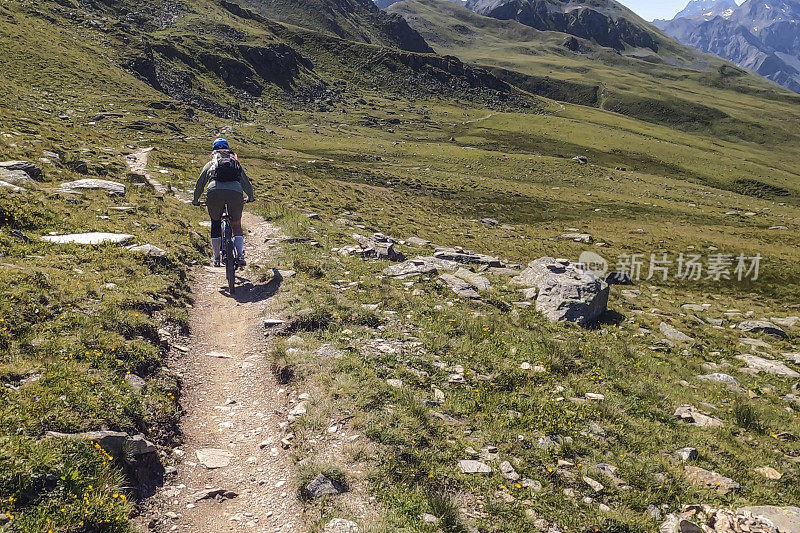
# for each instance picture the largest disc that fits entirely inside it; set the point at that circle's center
(69, 338)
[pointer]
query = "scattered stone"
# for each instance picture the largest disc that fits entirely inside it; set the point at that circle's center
(416, 241)
(272, 322)
(762, 326)
(671, 333)
(490, 222)
(581, 159)
(691, 415)
(594, 396)
(299, 410)
(330, 351)
(720, 378)
(469, 466)
(566, 292)
(705, 519)
(89, 238)
(148, 249)
(770, 366)
(577, 237)
(396, 383)
(111, 187)
(218, 355)
(429, 518)
(323, 486)
(378, 245)
(340, 525)
(710, 480)
(135, 382)
(596, 486)
(508, 472)
(769, 472)
(686, 454)
(631, 294)
(214, 457)
(210, 494)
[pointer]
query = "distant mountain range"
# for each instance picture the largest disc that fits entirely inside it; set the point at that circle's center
(760, 35)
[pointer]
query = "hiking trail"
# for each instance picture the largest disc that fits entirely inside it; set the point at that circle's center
(232, 473)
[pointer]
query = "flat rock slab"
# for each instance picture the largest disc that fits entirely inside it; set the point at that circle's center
(458, 286)
(420, 265)
(469, 466)
(31, 169)
(762, 326)
(576, 237)
(691, 415)
(214, 457)
(111, 187)
(785, 519)
(787, 322)
(474, 279)
(710, 480)
(769, 366)
(95, 237)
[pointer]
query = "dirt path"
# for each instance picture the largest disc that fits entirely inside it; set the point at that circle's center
(233, 406)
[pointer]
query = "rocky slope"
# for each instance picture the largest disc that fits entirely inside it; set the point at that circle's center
(761, 36)
(359, 20)
(605, 22)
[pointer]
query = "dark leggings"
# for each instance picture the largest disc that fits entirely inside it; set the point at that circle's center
(216, 229)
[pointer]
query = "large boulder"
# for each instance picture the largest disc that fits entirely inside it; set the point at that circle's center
(566, 292)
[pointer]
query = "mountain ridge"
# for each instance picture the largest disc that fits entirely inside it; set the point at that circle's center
(761, 36)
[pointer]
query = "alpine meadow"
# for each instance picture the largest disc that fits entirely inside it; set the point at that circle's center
(512, 266)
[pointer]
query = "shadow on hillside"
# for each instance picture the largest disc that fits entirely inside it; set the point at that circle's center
(249, 292)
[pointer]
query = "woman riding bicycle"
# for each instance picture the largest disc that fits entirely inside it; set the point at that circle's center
(227, 185)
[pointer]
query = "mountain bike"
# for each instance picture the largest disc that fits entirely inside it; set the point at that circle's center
(228, 252)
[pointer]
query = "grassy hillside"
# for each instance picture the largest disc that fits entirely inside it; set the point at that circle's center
(383, 140)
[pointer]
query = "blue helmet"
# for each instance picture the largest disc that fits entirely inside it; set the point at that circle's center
(220, 144)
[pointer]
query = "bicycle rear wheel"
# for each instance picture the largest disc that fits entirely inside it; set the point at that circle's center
(230, 256)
